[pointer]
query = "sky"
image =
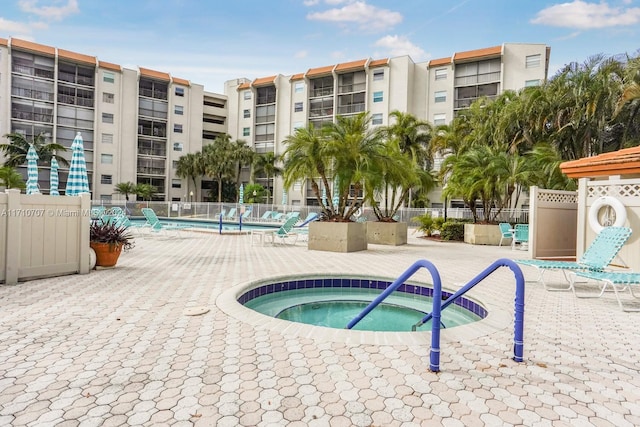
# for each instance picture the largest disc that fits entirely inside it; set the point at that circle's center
(210, 42)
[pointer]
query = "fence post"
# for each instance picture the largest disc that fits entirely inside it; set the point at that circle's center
(12, 250)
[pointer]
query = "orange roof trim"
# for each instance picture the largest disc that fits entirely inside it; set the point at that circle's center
(154, 74)
(244, 86)
(621, 162)
(478, 53)
(264, 81)
(320, 71)
(34, 47)
(179, 81)
(351, 65)
(379, 63)
(439, 61)
(78, 57)
(4, 42)
(109, 66)
(295, 77)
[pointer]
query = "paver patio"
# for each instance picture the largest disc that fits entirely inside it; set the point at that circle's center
(116, 347)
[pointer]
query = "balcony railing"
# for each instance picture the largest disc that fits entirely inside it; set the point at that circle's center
(153, 93)
(75, 100)
(266, 119)
(477, 79)
(150, 170)
(73, 78)
(152, 152)
(321, 112)
(354, 87)
(32, 71)
(34, 117)
(466, 102)
(351, 109)
(32, 93)
(322, 91)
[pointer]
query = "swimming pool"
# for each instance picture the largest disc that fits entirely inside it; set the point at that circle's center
(213, 225)
(332, 302)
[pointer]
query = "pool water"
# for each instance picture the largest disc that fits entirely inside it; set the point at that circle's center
(213, 225)
(336, 307)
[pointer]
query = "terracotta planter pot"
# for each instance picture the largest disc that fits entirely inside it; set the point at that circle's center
(106, 254)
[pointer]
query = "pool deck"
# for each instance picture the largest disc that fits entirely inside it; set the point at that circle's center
(122, 347)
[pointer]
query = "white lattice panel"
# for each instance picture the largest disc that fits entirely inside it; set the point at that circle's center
(557, 197)
(631, 189)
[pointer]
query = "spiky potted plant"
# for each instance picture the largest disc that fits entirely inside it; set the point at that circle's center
(108, 240)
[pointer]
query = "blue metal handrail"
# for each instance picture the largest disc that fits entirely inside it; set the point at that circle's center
(438, 305)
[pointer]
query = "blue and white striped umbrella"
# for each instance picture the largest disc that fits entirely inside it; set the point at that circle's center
(78, 181)
(53, 178)
(324, 196)
(284, 196)
(32, 171)
(336, 191)
(241, 197)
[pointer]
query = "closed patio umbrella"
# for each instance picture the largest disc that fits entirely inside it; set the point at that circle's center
(241, 197)
(284, 197)
(32, 171)
(53, 178)
(78, 181)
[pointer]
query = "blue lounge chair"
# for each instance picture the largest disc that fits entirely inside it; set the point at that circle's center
(266, 216)
(246, 214)
(520, 236)
(310, 218)
(154, 224)
(597, 257)
(231, 214)
(618, 280)
(285, 231)
(506, 232)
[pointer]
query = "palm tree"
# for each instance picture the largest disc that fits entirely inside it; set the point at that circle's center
(305, 160)
(218, 162)
(191, 166)
(266, 164)
(355, 149)
(243, 155)
(16, 150)
(10, 178)
(145, 191)
(125, 188)
(413, 136)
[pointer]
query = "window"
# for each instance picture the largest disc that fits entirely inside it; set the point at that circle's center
(378, 75)
(107, 97)
(247, 94)
(376, 119)
(177, 128)
(176, 183)
(441, 74)
(174, 164)
(105, 197)
(179, 110)
(246, 113)
(530, 83)
(439, 119)
(246, 131)
(299, 87)
(106, 179)
(108, 77)
(440, 96)
(297, 107)
(107, 118)
(377, 96)
(532, 61)
(107, 138)
(106, 159)
(177, 146)
(297, 125)
(179, 91)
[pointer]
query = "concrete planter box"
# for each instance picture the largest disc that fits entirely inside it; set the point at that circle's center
(387, 233)
(482, 234)
(337, 236)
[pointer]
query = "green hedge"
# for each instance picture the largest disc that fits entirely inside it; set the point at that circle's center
(453, 230)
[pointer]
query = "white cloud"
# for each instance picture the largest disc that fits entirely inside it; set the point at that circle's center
(14, 27)
(301, 54)
(367, 17)
(311, 2)
(399, 46)
(583, 15)
(55, 11)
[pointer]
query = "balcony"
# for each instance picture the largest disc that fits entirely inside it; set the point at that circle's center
(153, 93)
(150, 171)
(32, 93)
(33, 117)
(477, 79)
(321, 112)
(350, 109)
(75, 100)
(466, 102)
(32, 71)
(350, 88)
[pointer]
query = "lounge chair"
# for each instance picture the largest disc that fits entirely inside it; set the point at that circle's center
(246, 214)
(231, 214)
(597, 257)
(285, 231)
(277, 216)
(618, 280)
(520, 236)
(266, 216)
(312, 216)
(154, 224)
(303, 228)
(506, 232)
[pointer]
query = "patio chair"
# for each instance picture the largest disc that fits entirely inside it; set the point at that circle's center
(597, 257)
(266, 216)
(506, 232)
(277, 216)
(520, 236)
(246, 214)
(154, 224)
(303, 228)
(285, 231)
(618, 280)
(231, 214)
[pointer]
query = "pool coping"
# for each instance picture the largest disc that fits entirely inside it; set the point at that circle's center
(497, 318)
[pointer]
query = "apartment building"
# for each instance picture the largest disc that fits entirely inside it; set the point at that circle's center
(135, 124)
(265, 110)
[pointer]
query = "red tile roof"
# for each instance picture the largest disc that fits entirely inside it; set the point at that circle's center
(154, 74)
(478, 53)
(439, 61)
(353, 65)
(34, 47)
(621, 162)
(264, 81)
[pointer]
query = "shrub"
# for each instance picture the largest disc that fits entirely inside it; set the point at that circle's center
(453, 230)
